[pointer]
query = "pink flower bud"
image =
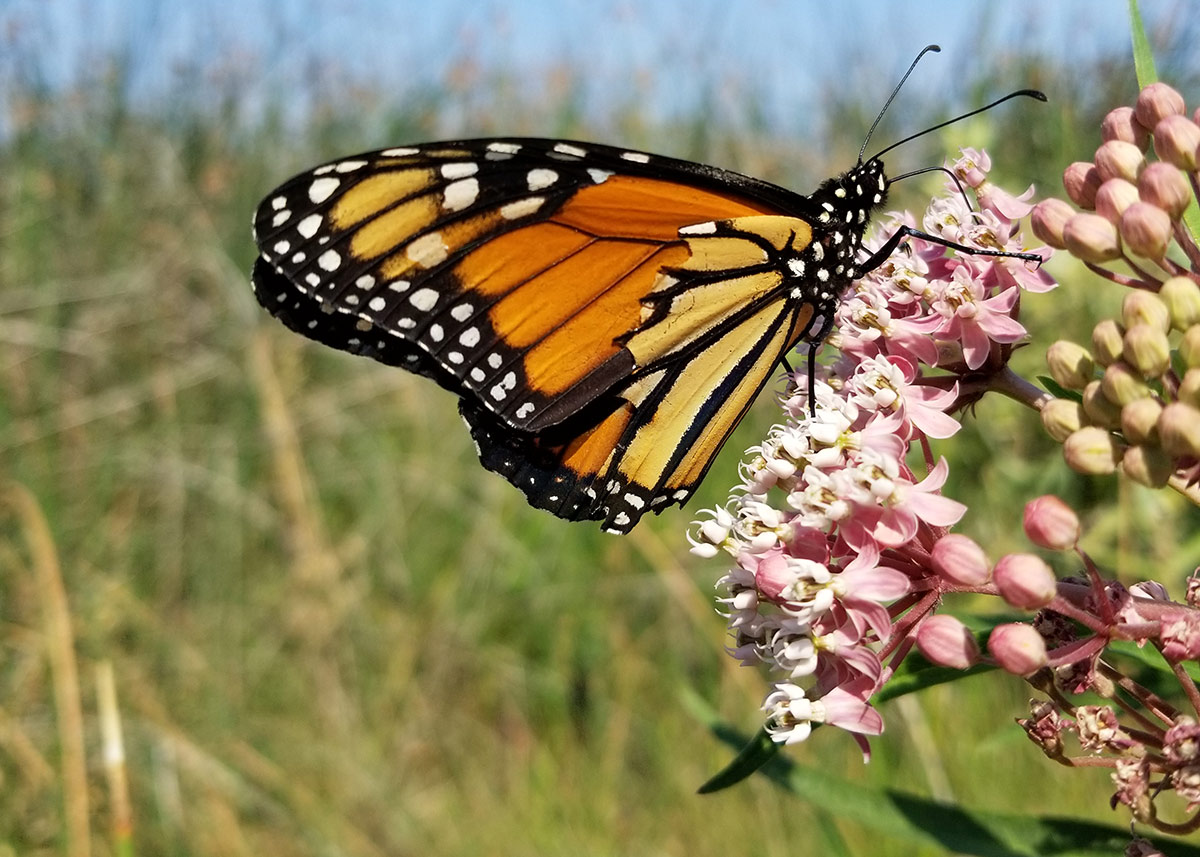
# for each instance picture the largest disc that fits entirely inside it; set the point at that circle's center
(945, 641)
(1048, 219)
(1181, 744)
(1164, 186)
(1139, 420)
(1189, 388)
(1179, 430)
(1155, 102)
(1147, 465)
(960, 560)
(1108, 341)
(1025, 581)
(1121, 124)
(773, 575)
(1123, 384)
(1092, 451)
(1081, 180)
(1070, 364)
(1017, 648)
(1101, 410)
(1181, 297)
(1146, 230)
(1139, 307)
(1113, 197)
(1176, 139)
(1148, 350)
(1189, 346)
(1180, 635)
(1118, 160)
(1050, 523)
(1061, 417)
(1092, 238)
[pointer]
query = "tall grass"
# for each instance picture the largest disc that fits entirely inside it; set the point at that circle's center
(330, 631)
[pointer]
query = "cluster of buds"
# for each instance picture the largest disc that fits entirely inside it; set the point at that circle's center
(1138, 385)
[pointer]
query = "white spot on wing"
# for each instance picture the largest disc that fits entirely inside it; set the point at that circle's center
(568, 149)
(521, 207)
(599, 176)
(504, 148)
(428, 250)
(321, 189)
(462, 312)
(707, 228)
(540, 178)
(401, 152)
(330, 260)
(636, 157)
(378, 303)
(469, 337)
(308, 226)
(365, 281)
(459, 170)
(424, 299)
(460, 194)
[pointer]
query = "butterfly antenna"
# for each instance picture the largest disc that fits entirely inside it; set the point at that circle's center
(1020, 93)
(925, 50)
(961, 190)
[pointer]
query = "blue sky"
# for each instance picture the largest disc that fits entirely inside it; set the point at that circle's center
(666, 54)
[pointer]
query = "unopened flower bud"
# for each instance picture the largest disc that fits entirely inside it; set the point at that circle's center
(1139, 420)
(1108, 342)
(1050, 523)
(960, 559)
(1123, 384)
(1061, 417)
(1181, 296)
(1017, 648)
(1189, 388)
(1155, 102)
(1145, 230)
(1139, 307)
(1179, 430)
(1081, 180)
(945, 641)
(1092, 451)
(1121, 124)
(1048, 219)
(1100, 409)
(1070, 364)
(1119, 160)
(1147, 465)
(1147, 350)
(1164, 186)
(1176, 139)
(1114, 196)
(1189, 346)
(1025, 581)
(1092, 238)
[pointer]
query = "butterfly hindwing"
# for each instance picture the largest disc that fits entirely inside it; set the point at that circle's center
(606, 316)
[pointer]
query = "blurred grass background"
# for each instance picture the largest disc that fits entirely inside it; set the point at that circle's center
(330, 632)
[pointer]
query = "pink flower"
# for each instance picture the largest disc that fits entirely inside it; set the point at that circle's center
(964, 314)
(900, 506)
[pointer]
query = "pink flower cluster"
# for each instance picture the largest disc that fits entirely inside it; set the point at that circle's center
(831, 531)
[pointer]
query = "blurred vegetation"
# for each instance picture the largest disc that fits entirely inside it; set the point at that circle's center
(331, 631)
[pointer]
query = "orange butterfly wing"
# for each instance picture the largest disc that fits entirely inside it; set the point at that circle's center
(605, 316)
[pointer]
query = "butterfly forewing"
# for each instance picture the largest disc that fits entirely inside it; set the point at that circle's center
(606, 316)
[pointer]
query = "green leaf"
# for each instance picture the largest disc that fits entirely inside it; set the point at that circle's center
(754, 754)
(1143, 56)
(923, 822)
(1057, 390)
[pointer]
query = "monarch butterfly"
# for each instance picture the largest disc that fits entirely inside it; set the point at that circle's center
(605, 316)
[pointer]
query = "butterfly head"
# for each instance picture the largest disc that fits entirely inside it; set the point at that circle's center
(844, 208)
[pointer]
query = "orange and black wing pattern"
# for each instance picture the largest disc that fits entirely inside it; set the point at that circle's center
(605, 316)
